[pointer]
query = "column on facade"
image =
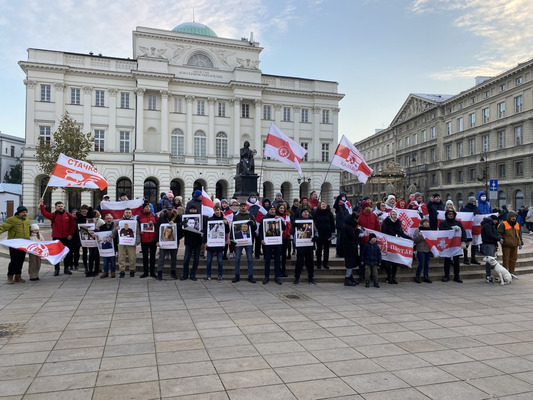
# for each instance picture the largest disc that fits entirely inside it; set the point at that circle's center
(277, 114)
(31, 139)
(87, 103)
(59, 101)
(211, 139)
(317, 144)
(189, 134)
(139, 123)
(257, 145)
(164, 121)
(111, 134)
(297, 110)
(236, 125)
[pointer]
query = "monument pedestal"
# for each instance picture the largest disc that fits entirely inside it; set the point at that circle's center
(245, 184)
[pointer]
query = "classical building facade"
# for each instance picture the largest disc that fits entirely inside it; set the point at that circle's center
(175, 115)
(11, 150)
(456, 144)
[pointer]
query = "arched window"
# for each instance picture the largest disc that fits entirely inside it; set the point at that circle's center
(97, 196)
(150, 191)
(48, 195)
(123, 186)
(200, 144)
(518, 199)
(502, 198)
(74, 199)
(222, 145)
(175, 186)
(200, 60)
(199, 184)
(177, 142)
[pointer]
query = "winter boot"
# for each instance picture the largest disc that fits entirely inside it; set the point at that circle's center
(19, 279)
(67, 271)
(376, 283)
(10, 279)
(173, 274)
(160, 275)
(417, 279)
(236, 279)
(348, 281)
(367, 283)
(251, 279)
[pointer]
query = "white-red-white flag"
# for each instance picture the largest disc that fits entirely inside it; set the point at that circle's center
(444, 243)
(466, 218)
(348, 158)
(476, 228)
(207, 204)
(228, 214)
(70, 172)
(283, 148)
(51, 250)
(394, 249)
(410, 220)
(116, 208)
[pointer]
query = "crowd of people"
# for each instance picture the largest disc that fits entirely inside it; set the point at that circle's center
(360, 250)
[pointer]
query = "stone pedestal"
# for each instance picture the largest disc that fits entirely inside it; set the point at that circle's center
(245, 184)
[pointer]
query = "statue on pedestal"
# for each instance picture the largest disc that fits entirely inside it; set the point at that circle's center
(246, 178)
(246, 166)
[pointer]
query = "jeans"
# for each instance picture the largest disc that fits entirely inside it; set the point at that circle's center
(148, 249)
(423, 263)
(273, 251)
(109, 264)
(210, 254)
(161, 262)
(488, 250)
(194, 251)
(238, 254)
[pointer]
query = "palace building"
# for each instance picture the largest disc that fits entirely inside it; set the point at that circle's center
(176, 114)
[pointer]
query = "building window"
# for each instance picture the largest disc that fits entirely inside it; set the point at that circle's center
(12, 151)
(221, 109)
(400, 144)
(325, 152)
(460, 124)
(200, 144)
(486, 94)
(472, 100)
(518, 104)
(152, 102)
(432, 155)
(485, 142)
(305, 115)
(518, 136)
(519, 168)
(200, 107)
(448, 178)
(267, 113)
(424, 136)
(286, 114)
(448, 152)
(501, 110)
(124, 186)
(325, 116)
(433, 179)
(424, 159)
(501, 140)
(472, 146)
(502, 171)
(472, 119)
(460, 149)
(45, 135)
(432, 132)
(124, 142)
(502, 87)
(472, 174)
(221, 145)
(519, 81)
(75, 96)
(98, 140)
(460, 175)
(45, 92)
(415, 139)
(448, 128)
(485, 115)
(200, 60)
(245, 110)
(264, 145)
(178, 105)
(407, 141)
(305, 145)
(177, 142)
(99, 98)
(124, 100)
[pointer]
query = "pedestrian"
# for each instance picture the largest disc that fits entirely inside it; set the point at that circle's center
(529, 221)
(244, 215)
(472, 208)
(109, 262)
(34, 260)
(148, 240)
(272, 250)
(371, 260)
(451, 223)
(93, 217)
(349, 247)
(482, 203)
(511, 241)
(343, 209)
(17, 227)
(435, 205)
(423, 252)
(128, 250)
(215, 251)
(304, 256)
(490, 237)
(75, 243)
(325, 227)
(193, 244)
(281, 210)
(171, 217)
(392, 226)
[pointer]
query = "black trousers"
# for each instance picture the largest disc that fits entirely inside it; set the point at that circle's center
(149, 249)
(68, 258)
(304, 256)
(17, 259)
(322, 247)
(390, 267)
(456, 267)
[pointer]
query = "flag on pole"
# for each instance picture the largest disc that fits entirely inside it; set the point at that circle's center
(207, 204)
(348, 158)
(70, 172)
(444, 243)
(52, 250)
(394, 249)
(283, 148)
(116, 208)
(410, 220)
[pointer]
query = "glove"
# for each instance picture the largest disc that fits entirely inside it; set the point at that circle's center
(456, 228)
(520, 247)
(463, 245)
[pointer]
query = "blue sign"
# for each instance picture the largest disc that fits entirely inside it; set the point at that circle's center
(493, 187)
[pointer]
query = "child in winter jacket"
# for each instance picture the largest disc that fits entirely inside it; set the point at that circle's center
(35, 261)
(371, 258)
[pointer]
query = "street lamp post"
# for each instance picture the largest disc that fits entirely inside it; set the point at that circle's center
(484, 158)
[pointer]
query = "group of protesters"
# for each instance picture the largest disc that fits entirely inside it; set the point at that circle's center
(353, 228)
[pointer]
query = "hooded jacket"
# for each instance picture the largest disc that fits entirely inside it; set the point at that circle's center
(350, 241)
(394, 228)
(341, 210)
(511, 233)
(484, 206)
(449, 223)
(324, 224)
(489, 232)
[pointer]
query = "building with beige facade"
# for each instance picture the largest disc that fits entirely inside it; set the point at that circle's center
(457, 144)
(175, 115)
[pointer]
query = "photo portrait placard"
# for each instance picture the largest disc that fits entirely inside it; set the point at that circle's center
(127, 231)
(192, 223)
(304, 230)
(168, 237)
(106, 248)
(241, 233)
(87, 237)
(216, 234)
(272, 233)
(148, 227)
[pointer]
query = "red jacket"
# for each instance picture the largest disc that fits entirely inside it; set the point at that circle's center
(147, 236)
(368, 221)
(63, 224)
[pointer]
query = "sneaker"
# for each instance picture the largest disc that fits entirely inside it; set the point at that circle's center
(367, 283)
(311, 281)
(207, 278)
(488, 279)
(514, 276)
(193, 278)
(56, 272)
(219, 278)
(296, 281)
(278, 280)
(121, 275)
(265, 281)
(132, 274)
(144, 275)
(376, 284)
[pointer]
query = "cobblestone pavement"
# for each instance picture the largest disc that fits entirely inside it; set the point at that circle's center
(72, 337)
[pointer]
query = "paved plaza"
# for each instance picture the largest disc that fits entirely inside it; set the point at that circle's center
(71, 337)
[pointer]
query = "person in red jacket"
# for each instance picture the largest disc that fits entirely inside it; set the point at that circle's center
(63, 227)
(367, 220)
(148, 222)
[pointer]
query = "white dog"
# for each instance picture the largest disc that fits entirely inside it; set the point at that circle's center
(498, 270)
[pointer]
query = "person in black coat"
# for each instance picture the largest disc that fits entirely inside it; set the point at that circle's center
(371, 258)
(434, 206)
(449, 223)
(490, 237)
(342, 209)
(392, 226)
(193, 243)
(470, 207)
(324, 226)
(215, 251)
(349, 247)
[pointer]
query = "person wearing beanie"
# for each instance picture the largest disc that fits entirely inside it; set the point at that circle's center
(367, 220)
(449, 206)
(392, 226)
(451, 223)
(423, 252)
(196, 201)
(471, 208)
(417, 203)
(390, 203)
(435, 205)
(17, 227)
(511, 241)
(149, 240)
(278, 199)
(349, 247)
(34, 261)
(371, 259)
(490, 237)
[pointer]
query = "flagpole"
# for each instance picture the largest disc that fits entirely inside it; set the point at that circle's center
(261, 175)
(45, 189)
(325, 177)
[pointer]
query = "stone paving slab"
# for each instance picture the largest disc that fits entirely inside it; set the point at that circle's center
(71, 337)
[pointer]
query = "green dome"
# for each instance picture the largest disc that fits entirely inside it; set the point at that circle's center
(195, 28)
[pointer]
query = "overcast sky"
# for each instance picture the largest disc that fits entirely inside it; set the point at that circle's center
(378, 51)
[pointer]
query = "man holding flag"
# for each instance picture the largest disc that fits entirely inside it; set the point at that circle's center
(449, 223)
(17, 227)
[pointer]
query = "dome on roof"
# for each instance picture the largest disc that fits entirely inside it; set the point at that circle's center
(195, 28)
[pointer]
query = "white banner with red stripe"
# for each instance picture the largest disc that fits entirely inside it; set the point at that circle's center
(116, 208)
(69, 172)
(51, 250)
(444, 243)
(476, 228)
(410, 220)
(466, 218)
(394, 249)
(283, 148)
(207, 205)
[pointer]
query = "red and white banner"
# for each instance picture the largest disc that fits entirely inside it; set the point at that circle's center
(444, 243)
(259, 217)
(207, 204)
(228, 214)
(466, 218)
(70, 172)
(116, 208)
(52, 250)
(394, 249)
(348, 158)
(476, 228)
(410, 220)
(283, 148)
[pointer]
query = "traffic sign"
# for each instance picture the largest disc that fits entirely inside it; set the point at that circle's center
(493, 187)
